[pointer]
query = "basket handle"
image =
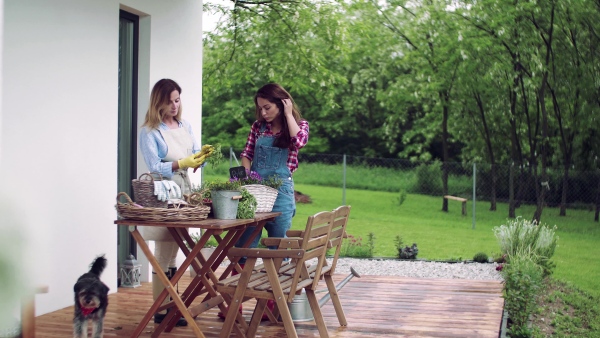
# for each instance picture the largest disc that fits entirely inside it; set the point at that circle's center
(159, 176)
(194, 198)
(129, 201)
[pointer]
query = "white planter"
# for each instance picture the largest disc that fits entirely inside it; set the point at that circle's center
(206, 252)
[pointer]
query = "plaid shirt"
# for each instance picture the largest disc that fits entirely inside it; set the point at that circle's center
(298, 142)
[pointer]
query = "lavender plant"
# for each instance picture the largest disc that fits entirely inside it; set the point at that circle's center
(252, 177)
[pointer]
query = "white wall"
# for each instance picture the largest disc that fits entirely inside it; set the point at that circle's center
(58, 131)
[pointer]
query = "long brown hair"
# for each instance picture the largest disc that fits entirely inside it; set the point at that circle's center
(159, 100)
(274, 93)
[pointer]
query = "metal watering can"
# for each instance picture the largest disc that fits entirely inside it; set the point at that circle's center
(300, 308)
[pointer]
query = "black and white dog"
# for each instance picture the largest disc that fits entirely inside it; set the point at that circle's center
(91, 300)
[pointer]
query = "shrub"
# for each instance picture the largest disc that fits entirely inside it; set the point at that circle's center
(406, 252)
(522, 282)
(429, 178)
(353, 247)
(399, 244)
(401, 197)
(526, 238)
(409, 252)
(480, 257)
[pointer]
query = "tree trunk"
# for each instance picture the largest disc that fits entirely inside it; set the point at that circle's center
(444, 99)
(565, 189)
(597, 215)
(511, 191)
(541, 201)
(545, 144)
(490, 150)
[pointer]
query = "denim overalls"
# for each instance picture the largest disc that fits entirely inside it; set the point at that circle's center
(269, 161)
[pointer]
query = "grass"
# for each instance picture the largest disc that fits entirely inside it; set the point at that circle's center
(441, 235)
(563, 310)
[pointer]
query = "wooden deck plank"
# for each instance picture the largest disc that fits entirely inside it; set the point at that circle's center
(375, 306)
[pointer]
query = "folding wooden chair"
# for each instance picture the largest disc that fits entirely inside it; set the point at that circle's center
(274, 282)
(338, 233)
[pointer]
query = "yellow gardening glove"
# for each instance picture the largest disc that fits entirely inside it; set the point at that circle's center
(190, 162)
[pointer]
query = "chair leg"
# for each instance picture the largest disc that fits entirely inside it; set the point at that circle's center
(335, 299)
(233, 313)
(316, 310)
(280, 299)
(286, 318)
(261, 304)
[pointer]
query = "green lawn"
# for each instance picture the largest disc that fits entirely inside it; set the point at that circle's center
(443, 236)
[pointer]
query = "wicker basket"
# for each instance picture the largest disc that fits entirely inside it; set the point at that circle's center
(265, 196)
(180, 212)
(143, 191)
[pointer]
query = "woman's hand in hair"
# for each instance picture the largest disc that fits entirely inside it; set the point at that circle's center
(287, 107)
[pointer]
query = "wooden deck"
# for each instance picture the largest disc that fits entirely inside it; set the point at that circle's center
(375, 306)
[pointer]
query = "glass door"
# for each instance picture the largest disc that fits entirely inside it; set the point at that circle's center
(127, 153)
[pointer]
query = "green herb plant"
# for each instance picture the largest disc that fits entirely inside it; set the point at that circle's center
(216, 158)
(217, 185)
(246, 206)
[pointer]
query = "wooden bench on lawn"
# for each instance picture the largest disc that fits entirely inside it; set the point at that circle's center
(460, 199)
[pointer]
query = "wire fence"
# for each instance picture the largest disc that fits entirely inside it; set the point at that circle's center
(511, 184)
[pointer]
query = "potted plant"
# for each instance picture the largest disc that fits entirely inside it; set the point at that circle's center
(246, 203)
(225, 196)
(206, 251)
(264, 190)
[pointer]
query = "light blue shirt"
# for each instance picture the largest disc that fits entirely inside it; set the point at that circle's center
(154, 148)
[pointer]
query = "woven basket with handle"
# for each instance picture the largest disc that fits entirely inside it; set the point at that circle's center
(143, 191)
(265, 196)
(179, 212)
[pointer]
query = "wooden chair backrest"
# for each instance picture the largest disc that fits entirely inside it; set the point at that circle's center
(315, 240)
(338, 232)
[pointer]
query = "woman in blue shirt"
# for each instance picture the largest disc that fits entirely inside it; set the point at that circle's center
(168, 146)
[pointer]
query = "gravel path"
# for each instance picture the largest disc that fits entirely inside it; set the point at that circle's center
(418, 269)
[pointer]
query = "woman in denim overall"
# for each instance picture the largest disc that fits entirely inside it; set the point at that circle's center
(272, 150)
(277, 135)
(272, 161)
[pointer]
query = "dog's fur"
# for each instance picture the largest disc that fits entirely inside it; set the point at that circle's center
(91, 300)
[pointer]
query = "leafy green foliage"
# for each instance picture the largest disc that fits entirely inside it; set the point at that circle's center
(216, 157)
(522, 282)
(523, 238)
(247, 205)
(405, 252)
(480, 257)
(222, 185)
(211, 243)
(354, 247)
(401, 197)
(429, 178)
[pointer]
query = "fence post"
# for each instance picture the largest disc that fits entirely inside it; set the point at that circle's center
(474, 190)
(344, 180)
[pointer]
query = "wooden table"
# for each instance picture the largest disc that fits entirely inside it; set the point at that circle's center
(227, 233)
